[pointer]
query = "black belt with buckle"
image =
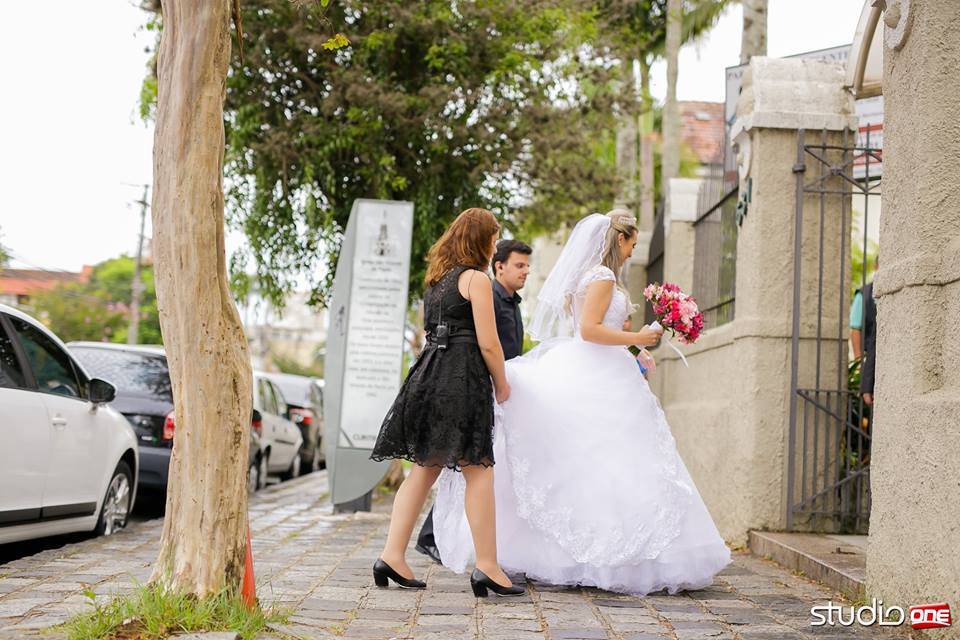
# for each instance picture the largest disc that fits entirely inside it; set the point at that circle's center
(459, 336)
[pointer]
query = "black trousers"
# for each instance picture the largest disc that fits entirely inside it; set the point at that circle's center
(426, 543)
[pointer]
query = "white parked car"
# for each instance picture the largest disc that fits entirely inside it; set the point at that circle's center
(279, 436)
(68, 461)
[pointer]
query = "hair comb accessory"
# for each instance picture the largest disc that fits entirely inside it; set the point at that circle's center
(625, 220)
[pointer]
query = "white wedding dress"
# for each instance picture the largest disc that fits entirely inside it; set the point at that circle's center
(590, 489)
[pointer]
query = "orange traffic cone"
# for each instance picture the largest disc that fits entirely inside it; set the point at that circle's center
(249, 590)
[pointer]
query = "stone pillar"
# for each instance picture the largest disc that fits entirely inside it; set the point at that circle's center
(780, 97)
(678, 232)
(914, 530)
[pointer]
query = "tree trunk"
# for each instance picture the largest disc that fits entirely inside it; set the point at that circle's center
(671, 116)
(646, 148)
(753, 41)
(627, 135)
(204, 533)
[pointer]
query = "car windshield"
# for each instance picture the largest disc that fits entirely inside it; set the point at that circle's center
(140, 374)
(295, 391)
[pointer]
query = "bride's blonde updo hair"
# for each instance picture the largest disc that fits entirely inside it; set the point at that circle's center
(622, 223)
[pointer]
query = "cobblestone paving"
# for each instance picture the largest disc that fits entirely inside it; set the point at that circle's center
(318, 565)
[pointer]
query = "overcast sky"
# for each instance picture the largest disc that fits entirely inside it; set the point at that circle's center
(73, 144)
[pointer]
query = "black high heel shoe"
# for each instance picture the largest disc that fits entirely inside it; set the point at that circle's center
(383, 573)
(481, 582)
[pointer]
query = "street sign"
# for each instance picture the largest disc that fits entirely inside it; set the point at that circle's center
(364, 358)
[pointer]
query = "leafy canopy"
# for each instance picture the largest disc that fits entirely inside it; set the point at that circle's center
(448, 105)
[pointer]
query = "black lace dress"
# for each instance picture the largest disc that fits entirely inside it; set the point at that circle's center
(443, 415)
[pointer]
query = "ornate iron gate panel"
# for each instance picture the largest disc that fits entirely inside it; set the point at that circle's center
(828, 481)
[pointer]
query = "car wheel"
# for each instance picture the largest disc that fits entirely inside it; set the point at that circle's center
(318, 462)
(262, 476)
(116, 502)
(306, 462)
(253, 477)
(294, 469)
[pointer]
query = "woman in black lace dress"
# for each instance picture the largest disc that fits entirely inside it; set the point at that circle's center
(443, 415)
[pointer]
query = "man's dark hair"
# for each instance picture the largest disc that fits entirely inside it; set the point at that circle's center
(505, 248)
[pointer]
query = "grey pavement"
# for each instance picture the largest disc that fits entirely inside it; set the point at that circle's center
(318, 565)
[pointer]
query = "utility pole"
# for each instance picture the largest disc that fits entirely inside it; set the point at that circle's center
(133, 333)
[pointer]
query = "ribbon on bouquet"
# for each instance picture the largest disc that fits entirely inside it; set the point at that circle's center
(656, 325)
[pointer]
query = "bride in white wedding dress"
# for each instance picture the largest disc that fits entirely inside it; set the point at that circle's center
(590, 489)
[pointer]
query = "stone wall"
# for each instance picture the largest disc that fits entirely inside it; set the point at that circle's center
(915, 526)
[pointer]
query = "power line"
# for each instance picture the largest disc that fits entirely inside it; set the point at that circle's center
(20, 258)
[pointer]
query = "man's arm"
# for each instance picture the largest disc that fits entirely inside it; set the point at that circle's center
(856, 342)
(856, 324)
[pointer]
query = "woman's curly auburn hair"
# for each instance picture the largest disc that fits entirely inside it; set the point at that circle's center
(465, 242)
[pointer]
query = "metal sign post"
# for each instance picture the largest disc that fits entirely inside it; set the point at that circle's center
(364, 357)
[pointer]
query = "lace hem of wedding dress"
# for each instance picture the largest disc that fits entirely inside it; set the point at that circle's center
(694, 569)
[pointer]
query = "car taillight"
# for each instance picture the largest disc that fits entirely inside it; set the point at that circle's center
(258, 427)
(168, 427)
(301, 416)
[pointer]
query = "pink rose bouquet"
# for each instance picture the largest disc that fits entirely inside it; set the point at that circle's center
(676, 311)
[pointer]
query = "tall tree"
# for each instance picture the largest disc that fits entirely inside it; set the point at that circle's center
(203, 541)
(448, 105)
(671, 112)
(637, 30)
(753, 41)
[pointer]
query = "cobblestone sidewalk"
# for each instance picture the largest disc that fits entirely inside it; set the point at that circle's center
(318, 564)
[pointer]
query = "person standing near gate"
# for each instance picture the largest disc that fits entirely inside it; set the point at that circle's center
(511, 265)
(869, 367)
(863, 335)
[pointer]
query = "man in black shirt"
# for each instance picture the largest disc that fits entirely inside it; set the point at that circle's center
(511, 264)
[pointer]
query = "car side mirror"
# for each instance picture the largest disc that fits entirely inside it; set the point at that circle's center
(101, 391)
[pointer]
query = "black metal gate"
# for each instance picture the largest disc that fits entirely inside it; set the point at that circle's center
(828, 481)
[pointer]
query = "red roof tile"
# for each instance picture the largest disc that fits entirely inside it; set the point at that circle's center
(26, 281)
(702, 129)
